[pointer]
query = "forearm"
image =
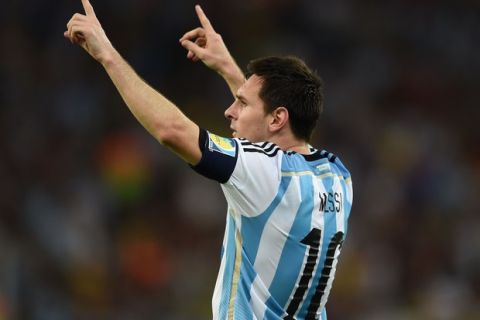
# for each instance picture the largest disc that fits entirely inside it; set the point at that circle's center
(152, 110)
(160, 117)
(233, 75)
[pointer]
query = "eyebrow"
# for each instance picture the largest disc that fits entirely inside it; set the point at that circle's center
(240, 97)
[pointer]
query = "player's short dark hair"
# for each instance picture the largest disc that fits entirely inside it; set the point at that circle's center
(288, 82)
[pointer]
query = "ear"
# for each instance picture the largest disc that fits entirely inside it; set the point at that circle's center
(279, 119)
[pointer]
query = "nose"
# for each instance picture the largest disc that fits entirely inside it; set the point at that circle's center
(230, 112)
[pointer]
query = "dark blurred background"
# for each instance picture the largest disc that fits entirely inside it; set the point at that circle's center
(99, 221)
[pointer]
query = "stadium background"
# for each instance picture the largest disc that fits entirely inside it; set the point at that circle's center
(98, 221)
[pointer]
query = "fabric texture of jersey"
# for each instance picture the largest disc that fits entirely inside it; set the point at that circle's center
(286, 223)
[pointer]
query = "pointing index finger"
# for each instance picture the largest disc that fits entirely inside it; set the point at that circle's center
(202, 17)
(87, 6)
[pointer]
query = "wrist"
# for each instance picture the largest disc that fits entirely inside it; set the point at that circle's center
(230, 71)
(108, 58)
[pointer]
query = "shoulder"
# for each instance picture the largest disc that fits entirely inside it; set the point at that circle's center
(266, 148)
(259, 161)
(314, 161)
(336, 163)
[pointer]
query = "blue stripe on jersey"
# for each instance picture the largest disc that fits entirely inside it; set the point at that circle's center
(293, 252)
(338, 171)
(329, 229)
(323, 315)
(347, 206)
(229, 266)
(341, 168)
(252, 227)
(341, 171)
(243, 309)
(273, 311)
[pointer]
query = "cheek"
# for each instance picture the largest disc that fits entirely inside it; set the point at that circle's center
(258, 128)
(252, 125)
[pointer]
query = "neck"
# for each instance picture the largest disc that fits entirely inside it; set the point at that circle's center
(299, 146)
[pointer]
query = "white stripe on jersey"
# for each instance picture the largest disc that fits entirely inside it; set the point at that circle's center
(271, 246)
(340, 215)
(259, 295)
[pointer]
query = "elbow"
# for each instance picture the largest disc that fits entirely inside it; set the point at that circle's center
(181, 137)
(169, 134)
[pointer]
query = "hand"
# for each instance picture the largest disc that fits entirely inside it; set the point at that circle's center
(85, 30)
(203, 43)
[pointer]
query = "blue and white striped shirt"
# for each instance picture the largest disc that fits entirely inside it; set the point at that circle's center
(286, 222)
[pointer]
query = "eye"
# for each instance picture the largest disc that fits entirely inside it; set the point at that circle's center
(243, 103)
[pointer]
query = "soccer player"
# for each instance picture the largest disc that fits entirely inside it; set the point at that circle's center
(288, 203)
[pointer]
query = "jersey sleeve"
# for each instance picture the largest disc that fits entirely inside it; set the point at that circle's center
(249, 172)
(255, 181)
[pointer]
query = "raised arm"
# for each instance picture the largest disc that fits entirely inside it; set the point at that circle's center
(204, 44)
(156, 113)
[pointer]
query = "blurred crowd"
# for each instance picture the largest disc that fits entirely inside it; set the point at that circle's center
(99, 221)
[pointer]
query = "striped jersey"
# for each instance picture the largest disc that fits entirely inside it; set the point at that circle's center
(286, 223)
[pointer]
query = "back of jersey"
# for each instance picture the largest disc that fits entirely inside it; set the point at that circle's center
(286, 222)
(290, 214)
(313, 221)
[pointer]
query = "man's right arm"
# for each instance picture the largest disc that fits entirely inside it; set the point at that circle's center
(155, 112)
(205, 44)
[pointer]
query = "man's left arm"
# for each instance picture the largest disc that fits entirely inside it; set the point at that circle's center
(157, 114)
(205, 44)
